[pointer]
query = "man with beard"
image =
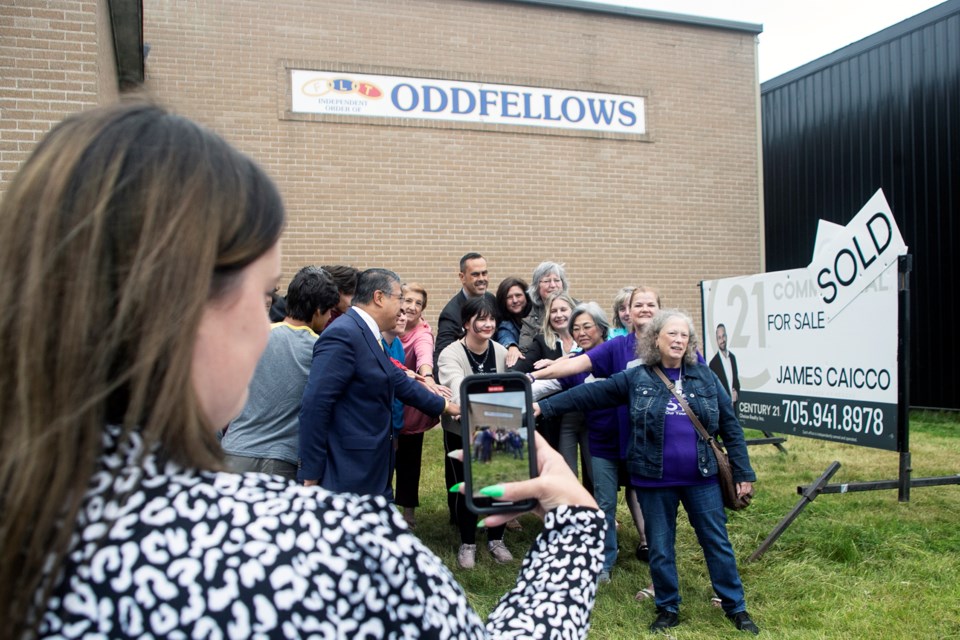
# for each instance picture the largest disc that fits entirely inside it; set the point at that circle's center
(724, 364)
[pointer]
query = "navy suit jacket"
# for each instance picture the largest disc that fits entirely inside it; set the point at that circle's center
(346, 425)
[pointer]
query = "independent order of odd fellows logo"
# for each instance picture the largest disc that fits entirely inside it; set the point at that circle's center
(318, 87)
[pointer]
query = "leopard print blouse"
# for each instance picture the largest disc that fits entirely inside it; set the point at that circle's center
(190, 553)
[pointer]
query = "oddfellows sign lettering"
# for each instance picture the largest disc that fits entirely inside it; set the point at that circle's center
(355, 94)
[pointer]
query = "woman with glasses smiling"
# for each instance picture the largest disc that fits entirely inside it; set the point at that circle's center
(417, 341)
(548, 278)
(670, 463)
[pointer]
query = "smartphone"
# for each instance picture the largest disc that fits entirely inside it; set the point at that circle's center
(498, 437)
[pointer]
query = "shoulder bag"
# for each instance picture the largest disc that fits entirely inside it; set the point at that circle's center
(728, 488)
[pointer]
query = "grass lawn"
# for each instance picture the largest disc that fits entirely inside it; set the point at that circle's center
(856, 565)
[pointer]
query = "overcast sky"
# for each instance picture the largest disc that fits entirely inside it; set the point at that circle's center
(797, 31)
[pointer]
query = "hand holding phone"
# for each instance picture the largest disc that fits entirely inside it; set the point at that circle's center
(498, 428)
(554, 486)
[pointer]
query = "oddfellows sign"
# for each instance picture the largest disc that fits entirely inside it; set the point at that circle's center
(355, 94)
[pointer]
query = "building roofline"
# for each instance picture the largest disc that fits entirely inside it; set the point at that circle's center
(934, 14)
(647, 14)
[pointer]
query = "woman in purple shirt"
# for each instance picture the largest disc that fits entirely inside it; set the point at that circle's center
(614, 356)
(670, 463)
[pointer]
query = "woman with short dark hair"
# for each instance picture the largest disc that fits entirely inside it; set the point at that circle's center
(476, 352)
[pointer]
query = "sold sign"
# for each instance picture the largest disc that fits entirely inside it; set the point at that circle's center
(857, 255)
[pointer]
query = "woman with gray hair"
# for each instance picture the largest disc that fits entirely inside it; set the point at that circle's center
(548, 278)
(670, 463)
(588, 327)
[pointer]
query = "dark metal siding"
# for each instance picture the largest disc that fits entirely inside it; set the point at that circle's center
(883, 113)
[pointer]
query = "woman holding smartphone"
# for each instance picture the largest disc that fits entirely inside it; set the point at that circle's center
(153, 234)
(476, 352)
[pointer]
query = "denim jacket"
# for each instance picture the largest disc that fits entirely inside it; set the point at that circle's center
(508, 333)
(647, 396)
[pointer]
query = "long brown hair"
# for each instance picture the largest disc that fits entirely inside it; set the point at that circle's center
(121, 226)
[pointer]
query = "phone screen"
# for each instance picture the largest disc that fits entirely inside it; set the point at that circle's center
(499, 446)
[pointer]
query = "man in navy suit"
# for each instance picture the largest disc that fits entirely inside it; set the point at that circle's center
(346, 430)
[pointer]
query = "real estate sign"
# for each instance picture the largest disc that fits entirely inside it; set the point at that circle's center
(816, 349)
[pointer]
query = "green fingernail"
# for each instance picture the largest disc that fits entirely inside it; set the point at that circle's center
(481, 524)
(456, 488)
(494, 491)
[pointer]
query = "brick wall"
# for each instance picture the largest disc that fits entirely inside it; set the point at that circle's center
(56, 57)
(668, 212)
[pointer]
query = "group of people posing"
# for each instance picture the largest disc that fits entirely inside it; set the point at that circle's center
(124, 515)
(345, 432)
(611, 416)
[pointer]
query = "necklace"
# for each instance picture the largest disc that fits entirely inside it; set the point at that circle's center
(477, 366)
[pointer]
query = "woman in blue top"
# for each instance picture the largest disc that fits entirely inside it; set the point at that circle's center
(622, 324)
(670, 463)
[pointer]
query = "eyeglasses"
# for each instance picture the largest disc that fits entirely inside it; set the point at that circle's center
(397, 295)
(583, 327)
(551, 280)
(416, 303)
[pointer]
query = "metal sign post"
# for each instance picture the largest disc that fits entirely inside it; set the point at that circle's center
(904, 482)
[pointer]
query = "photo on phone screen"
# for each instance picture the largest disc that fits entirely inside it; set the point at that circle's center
(498, 418)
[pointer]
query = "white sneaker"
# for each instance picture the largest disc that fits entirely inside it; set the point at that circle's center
(499, 551)
(467, 556)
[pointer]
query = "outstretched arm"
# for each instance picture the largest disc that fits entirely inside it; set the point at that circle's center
(564, 367)
(609, 392)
